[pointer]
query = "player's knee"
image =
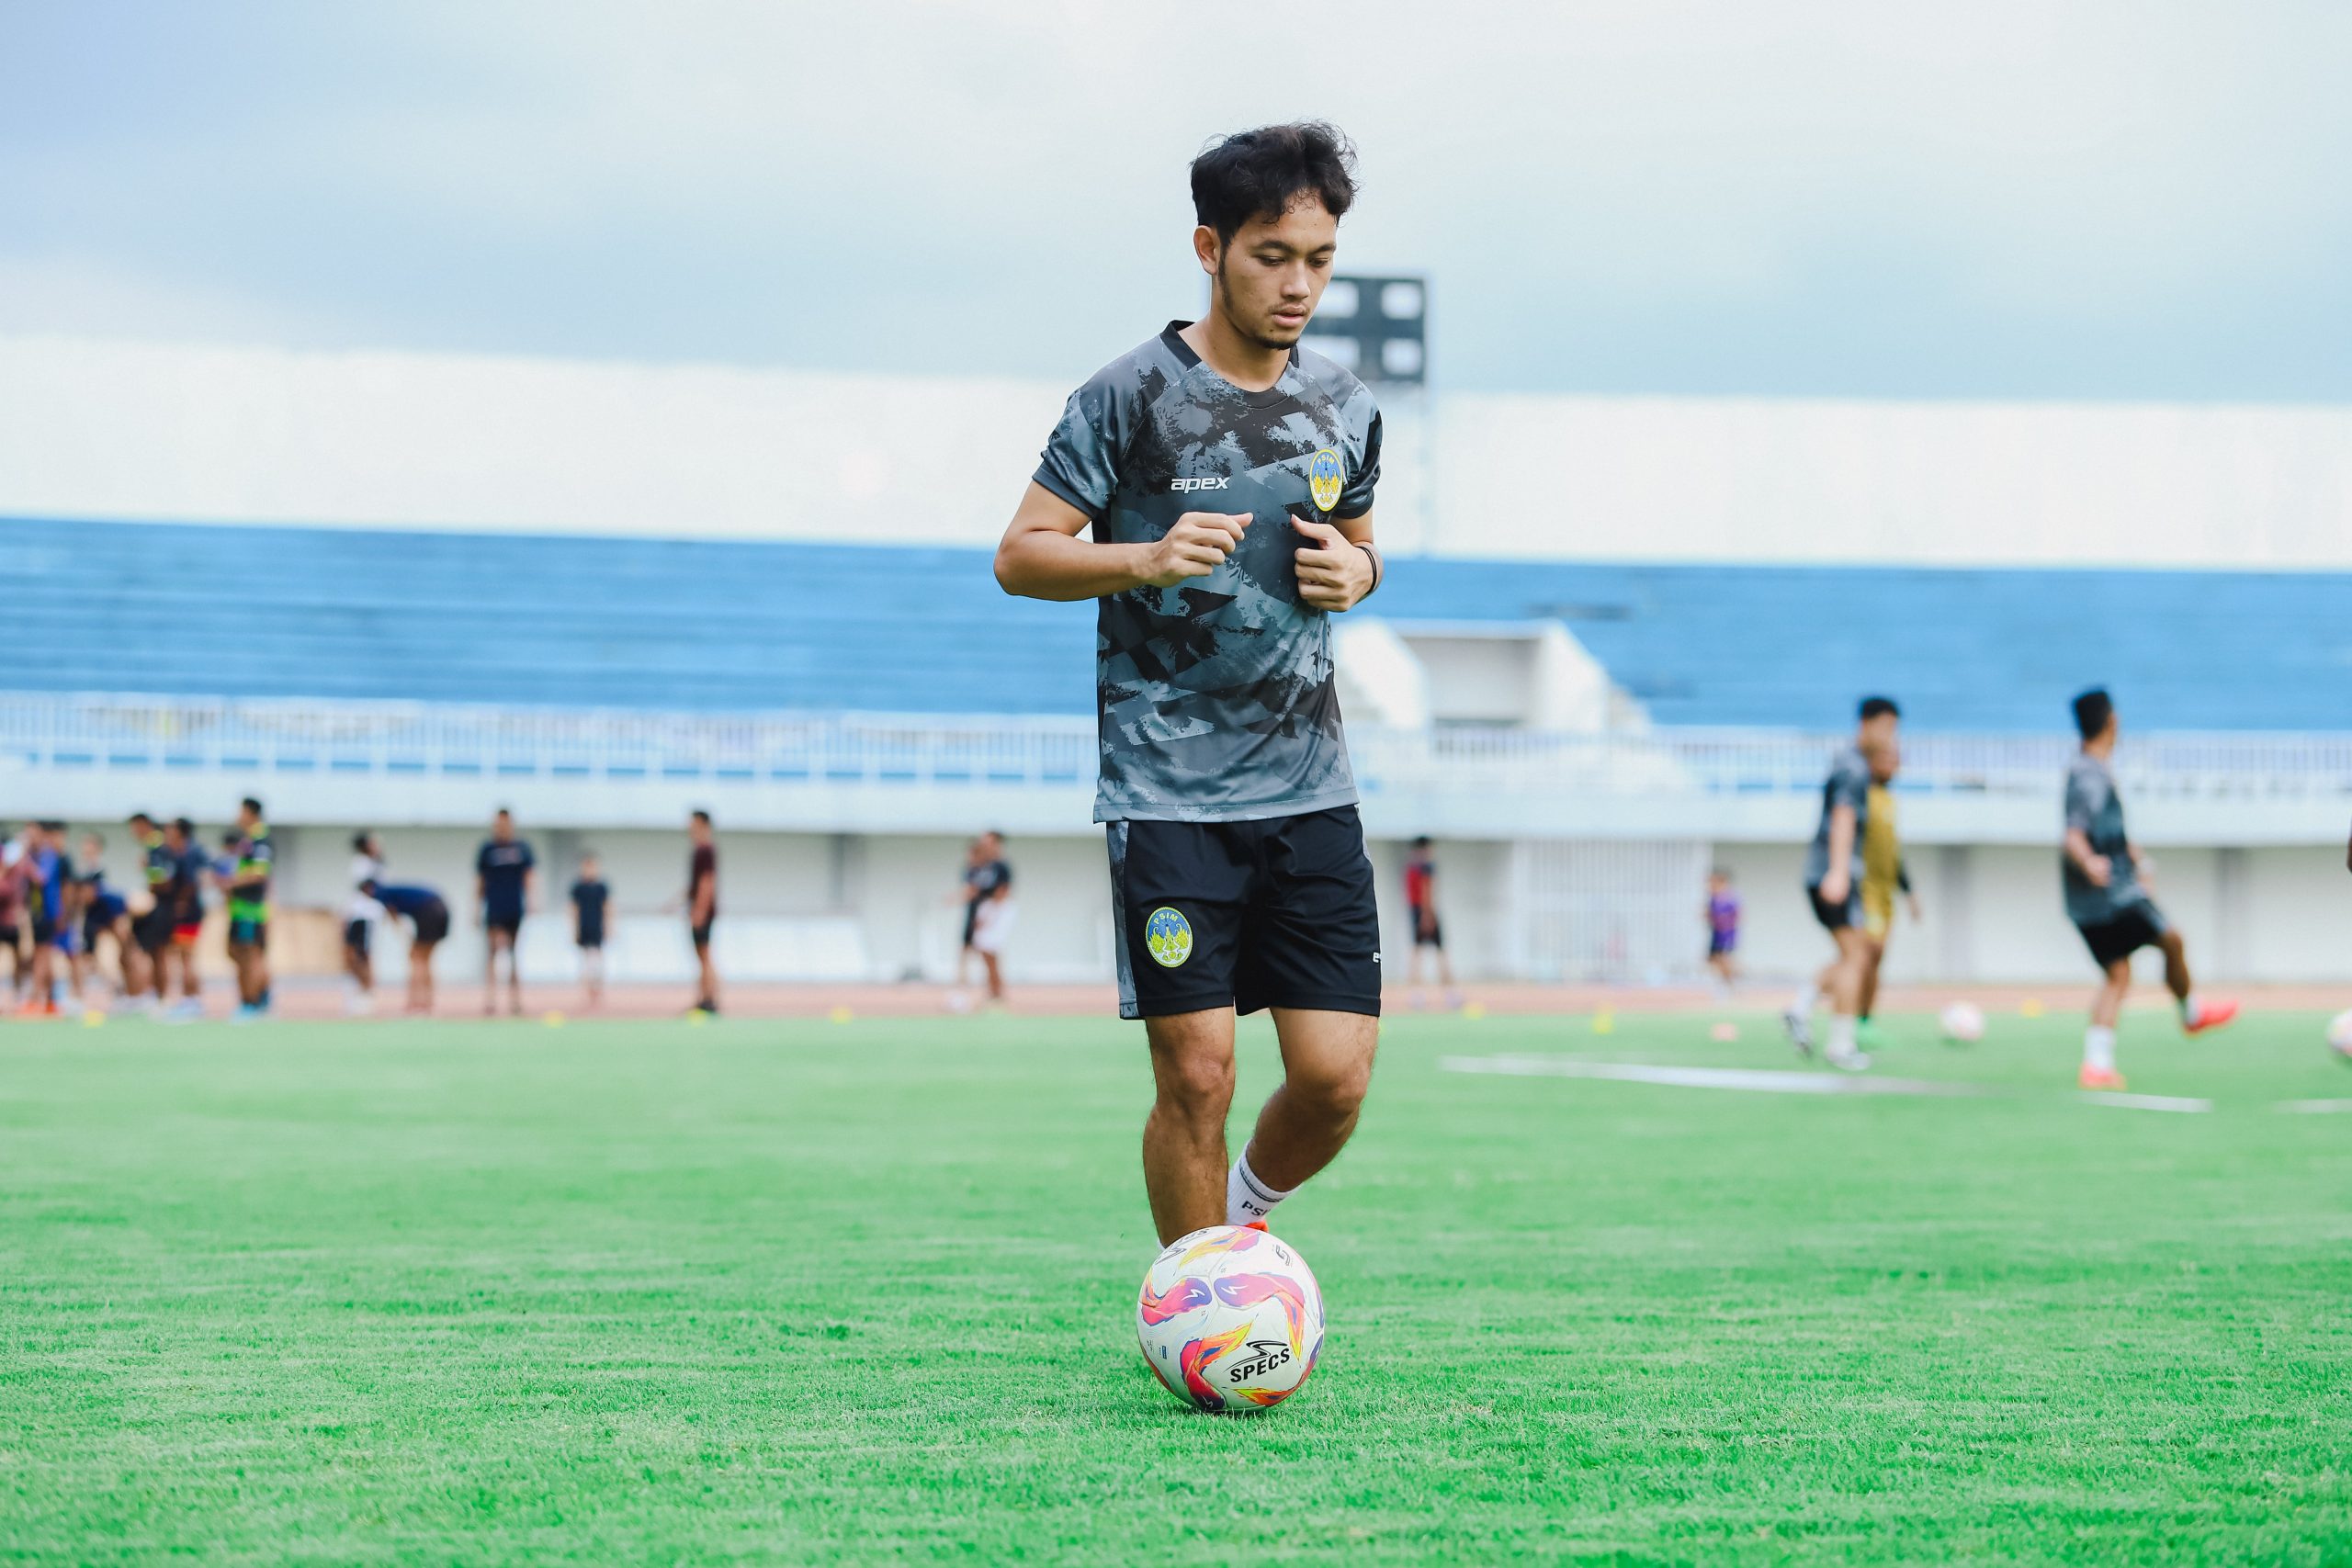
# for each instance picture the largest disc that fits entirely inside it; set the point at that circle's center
(1200, 1085)
(1336, 1092)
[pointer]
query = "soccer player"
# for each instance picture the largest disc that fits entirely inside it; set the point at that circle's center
(1722, 915)
(988, 891)
(1884, 874)
(2106, 882)
(190, 869)
(1420, 902)
(47, 875)
(1834, 890)
(150, 928)
(103, 912)
(502, 878)
(251, 857)
(590, 894)
(428, 916)
(15, 876)
(360, 913)
(1238, 877)
(702, 909)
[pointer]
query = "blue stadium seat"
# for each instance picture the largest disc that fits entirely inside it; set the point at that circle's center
(579, 621)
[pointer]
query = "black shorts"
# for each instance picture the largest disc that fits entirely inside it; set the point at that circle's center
(44, 931)
(355, 935)
(590, 942)
(248, 931)
(1836, 917)
(1278, 912)
(432, 923)
(1433, 935)
(507, 920)
(152, 931)
(2134, 927)
(701, 934)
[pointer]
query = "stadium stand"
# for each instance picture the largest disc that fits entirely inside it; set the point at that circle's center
(603, 622)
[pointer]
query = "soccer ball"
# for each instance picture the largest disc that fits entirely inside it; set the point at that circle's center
(1230, 1319)
(1963, 1023)
(2339, 1035)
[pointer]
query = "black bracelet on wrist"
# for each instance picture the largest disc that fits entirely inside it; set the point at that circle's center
(1379, 570)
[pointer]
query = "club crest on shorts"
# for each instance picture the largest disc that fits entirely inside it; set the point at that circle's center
(1326, 478)
(1169, 935)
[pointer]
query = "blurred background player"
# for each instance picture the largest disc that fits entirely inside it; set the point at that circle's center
(151, 926)
(503, 887)
(702, 908)
(361, 911)
(247, 883)
(992, 916)
(14, 874)
(1429, 932)
(2106, 882)
(590, 896)
(1884, 874)
(988, 877)
(1722, 915)
(102, 913)
(428, 916)
(191, 869)
(1834, 889)
(45, 912)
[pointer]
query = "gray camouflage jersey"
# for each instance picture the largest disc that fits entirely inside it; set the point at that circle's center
(1217, 695)
(2093, 805)
(1849, 784)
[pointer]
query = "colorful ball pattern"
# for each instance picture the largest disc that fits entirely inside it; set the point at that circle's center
(1230, 1319)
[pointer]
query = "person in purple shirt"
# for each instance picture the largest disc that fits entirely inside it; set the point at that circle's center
(1723, 929)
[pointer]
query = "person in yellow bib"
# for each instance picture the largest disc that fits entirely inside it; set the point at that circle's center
(1884, 875)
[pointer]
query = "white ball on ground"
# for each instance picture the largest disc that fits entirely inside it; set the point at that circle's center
(2339, 1035)
(1230, 1319)
(1962, 1023)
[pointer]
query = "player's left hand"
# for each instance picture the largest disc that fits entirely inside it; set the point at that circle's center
(1333, 574)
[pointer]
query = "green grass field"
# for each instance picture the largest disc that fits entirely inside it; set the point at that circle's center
(809, 1292)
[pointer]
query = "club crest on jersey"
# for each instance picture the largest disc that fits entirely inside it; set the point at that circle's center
(1326, 478)
(1169, 936)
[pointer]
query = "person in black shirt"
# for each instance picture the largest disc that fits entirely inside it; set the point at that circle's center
(589, 896)
(502, 886)
(702, 909)
(987, 882)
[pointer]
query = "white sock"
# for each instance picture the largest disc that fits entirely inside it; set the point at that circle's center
(1248, 1195)
(1807, 993)
(2189, 1006)
(2098, 1048)
(1842, 1034)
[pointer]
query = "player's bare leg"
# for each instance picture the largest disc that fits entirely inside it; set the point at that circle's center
(1327, 1068)
(2098, 1040)
(1184, 1138)
(2197, 1014)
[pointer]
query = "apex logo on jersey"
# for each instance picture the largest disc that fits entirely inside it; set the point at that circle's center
(1168, 937)
(1207, 481)
(1326, 478)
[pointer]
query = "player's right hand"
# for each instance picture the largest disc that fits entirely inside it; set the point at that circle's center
(2099, 869)
(1834, 887)
(1195, 545)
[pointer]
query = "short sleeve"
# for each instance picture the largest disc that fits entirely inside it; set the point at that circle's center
(482, 858)
(1081, 462)
(1849, 786)
(1356, 500)
(2082, 800)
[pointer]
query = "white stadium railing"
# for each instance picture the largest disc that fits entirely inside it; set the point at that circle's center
(112, 732)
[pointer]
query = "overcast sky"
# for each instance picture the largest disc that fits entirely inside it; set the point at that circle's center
(2047, 199)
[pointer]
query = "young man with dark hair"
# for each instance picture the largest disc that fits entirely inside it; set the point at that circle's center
(2107, 879)
(1834, 889)
(988, 888)
(360, 913)
(49, 874)
(103, 912)
(1238, 877)
(252, 857)
(502, 890)
(702, 909)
